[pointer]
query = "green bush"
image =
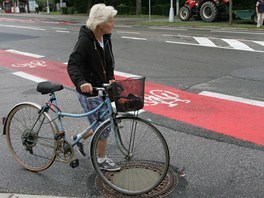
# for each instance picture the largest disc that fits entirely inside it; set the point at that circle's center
(160, 9)
(123, 9)
(80, 6)
(64, 10)
(70, 10)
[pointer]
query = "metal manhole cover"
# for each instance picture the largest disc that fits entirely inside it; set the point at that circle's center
(163, 189)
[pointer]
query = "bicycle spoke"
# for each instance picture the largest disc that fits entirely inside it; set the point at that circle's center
(144, 166)
(30, 140)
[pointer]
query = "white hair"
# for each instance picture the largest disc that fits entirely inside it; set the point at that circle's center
(99, 14)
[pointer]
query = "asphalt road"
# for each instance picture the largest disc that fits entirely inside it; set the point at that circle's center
(216, 165)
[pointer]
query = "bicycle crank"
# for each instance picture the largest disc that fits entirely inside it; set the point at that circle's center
(64, 151)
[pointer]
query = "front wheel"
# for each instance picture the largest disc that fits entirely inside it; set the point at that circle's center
(30, 136)
(138, 148)
(185, 13)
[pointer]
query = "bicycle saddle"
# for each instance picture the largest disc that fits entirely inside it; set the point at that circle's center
(47, 87)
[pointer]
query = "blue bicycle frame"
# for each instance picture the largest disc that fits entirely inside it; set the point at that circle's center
(60, 114)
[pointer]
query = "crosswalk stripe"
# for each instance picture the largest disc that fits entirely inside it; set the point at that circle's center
(259, 42)
(204, 41)
(237, 44)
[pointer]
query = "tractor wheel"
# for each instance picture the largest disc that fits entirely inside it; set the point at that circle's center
(209, 12)
(184, 13)
(255, 18)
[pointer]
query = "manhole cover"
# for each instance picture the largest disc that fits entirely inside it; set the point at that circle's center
(163, 189)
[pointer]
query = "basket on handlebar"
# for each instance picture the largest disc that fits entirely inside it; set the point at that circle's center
(128, 94)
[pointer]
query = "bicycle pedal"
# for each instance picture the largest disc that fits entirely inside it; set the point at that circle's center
(74, 163)
(59, 135)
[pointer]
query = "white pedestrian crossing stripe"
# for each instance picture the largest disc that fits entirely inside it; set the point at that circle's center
(217, 42)
(259, 42)
(237, 44)
(204, 41)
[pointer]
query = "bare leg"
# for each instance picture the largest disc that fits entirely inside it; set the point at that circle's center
(101, 147)
(89, 134)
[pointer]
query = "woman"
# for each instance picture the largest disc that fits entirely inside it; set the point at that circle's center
(90, 65)
(260, 12)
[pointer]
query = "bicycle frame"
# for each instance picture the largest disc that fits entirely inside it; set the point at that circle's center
(52, 102)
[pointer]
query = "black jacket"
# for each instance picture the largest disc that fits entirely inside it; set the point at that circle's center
(260, 7)
(89, 62)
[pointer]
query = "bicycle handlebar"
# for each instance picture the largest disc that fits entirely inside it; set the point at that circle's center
(105, 87)
(102, 91)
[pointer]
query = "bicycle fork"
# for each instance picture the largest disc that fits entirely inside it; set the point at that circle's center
(128, 152)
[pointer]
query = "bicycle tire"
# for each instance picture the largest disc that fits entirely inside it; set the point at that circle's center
(142, 170)
(33, 148)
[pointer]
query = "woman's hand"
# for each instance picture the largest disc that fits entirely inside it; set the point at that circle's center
(111, 81)
(86, 88)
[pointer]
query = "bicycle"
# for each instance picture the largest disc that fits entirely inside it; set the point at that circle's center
(36, 139)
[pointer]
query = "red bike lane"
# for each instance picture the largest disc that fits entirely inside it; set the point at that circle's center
(238, 120)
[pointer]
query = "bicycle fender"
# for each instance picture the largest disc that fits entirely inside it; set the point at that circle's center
(5, 119)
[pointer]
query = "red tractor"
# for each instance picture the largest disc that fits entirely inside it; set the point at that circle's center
(207, 10)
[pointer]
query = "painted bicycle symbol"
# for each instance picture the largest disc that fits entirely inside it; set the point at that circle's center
(156, 97)
(31, 64)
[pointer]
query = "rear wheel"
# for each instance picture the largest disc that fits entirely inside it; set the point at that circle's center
(209, 12)
(184, 13)
(30, 137)
(139, 149)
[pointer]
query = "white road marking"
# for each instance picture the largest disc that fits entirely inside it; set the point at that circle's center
(123, 26)
(24, 53)
(173, 35)
(163, 28)
(194, 44)
(59, 28)
(237, 32)
(233, 98)
(133, 38)
(123, 32)
(62, 31)
(259, 42)
(204, 41)
(22, 27)
(29, 77)
(237, 44)
(183, 43)
(126, 75)
(209, 37)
